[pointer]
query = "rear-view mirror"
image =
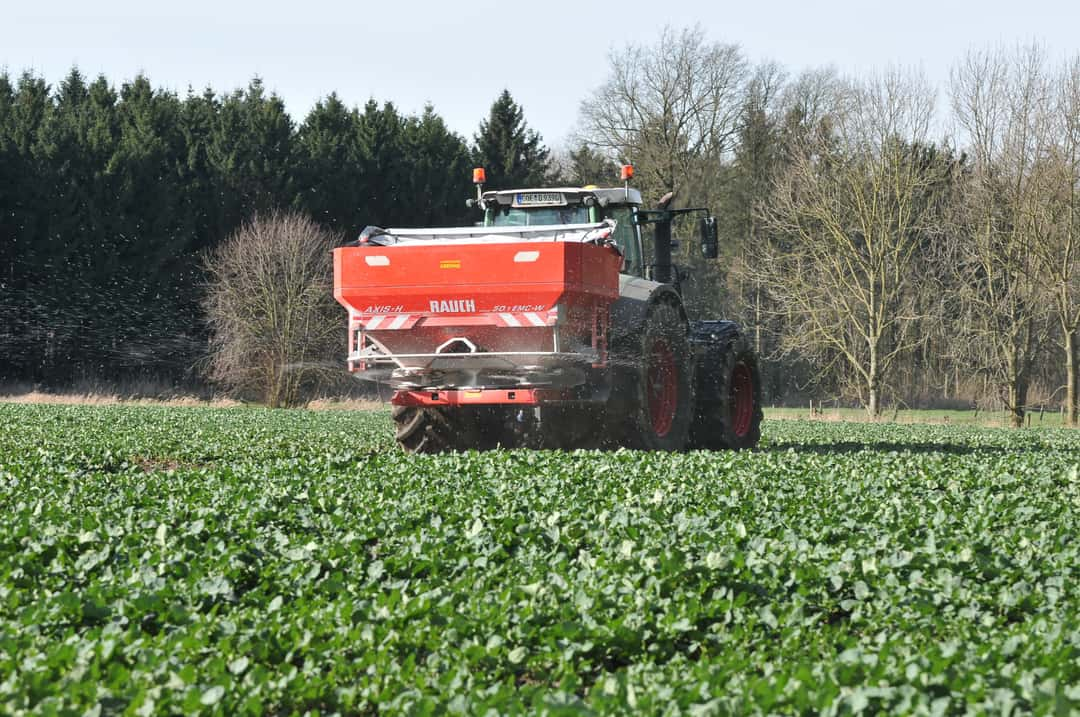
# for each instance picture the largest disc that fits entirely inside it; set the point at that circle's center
(710, 245)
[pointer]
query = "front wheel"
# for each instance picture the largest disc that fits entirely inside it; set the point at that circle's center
(733, 421)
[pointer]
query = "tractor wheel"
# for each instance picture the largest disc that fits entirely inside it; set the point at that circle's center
(422, 430)
(665, 385)
(437, 430)
(735, 420)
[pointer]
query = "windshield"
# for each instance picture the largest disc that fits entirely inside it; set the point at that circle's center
(507, 216)
(626, 230)
(626, 236)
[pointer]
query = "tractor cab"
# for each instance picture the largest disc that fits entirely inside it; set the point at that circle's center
(569, 206)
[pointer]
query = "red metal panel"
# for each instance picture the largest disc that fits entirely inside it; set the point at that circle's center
(472, 278)
(600, 273)
(465, 397)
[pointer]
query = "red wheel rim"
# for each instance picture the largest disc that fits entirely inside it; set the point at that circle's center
(742, 398)
(663, 388)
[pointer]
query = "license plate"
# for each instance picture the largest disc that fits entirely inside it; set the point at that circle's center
(539, 199)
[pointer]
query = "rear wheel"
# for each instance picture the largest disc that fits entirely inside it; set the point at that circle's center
(664, 406)
(733, 421)
(421, 430)
(437, 430)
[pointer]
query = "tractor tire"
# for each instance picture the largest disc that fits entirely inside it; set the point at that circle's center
(664, 389)
(734, 421)
(438, 430)
(422, 430)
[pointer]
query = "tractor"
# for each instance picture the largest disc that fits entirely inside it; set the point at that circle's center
(545, 325)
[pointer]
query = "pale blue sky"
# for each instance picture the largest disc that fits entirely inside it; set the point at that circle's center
(458, 56)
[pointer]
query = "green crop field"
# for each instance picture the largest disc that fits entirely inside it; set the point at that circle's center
(240, 561)
(1036, 417)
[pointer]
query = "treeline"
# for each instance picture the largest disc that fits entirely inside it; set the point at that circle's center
(876, 259)
(110, 199)
(873, 258)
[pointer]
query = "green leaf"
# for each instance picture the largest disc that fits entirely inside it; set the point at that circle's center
(212, 696)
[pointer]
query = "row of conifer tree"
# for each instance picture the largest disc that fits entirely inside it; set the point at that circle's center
(111, 198)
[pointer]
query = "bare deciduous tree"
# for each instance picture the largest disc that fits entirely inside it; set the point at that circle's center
(671, 109)
(270, 306)
(1069, 293)
(808, 101)
(1001, 102)
(847, 223)
(1055, 218)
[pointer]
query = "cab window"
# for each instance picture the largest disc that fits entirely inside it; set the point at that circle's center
(626, 236)
(506, 216)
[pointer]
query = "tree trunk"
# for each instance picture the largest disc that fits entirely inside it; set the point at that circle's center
(873, 386)
(764, 367)
(757, 321)
(873, 406)
(1070, 377)
(1017, 399)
